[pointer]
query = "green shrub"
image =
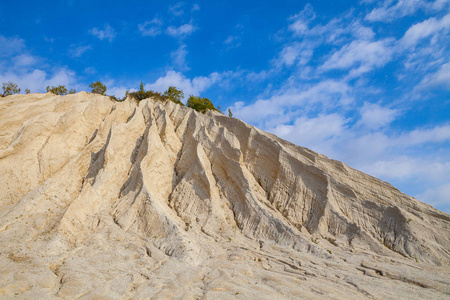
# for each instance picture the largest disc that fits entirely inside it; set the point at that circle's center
(10, 88)
(27, 91)
(174, 95)
(230, 114)
(142, 94)
(98, 88)
(57, 90)
(200, 104)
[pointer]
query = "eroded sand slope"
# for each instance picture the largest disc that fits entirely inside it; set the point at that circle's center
(119, 200)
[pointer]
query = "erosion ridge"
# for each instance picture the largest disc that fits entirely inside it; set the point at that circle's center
(152, 199)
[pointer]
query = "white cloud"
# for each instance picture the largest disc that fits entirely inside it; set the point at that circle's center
(37, 80)
(361, 32)
(374, 116)
(391, 10)
(314, 133)
(422, 136)
(78, 51)
(10, 46)
(425, 29)
(179, 57)
(90, 70)
(232, 41)
(297, 53)
(181, 31)
(256, 76)
(327, 94)
(27, 70)
(361, 55)
(107, 33)
(289, 54)
(62, 76)
(336, 31)
(195, 7)
(176, 9)
(301, 20)
(189, 86)
(440, 4)
(151, 28)
(392, 168)
(24, 60)
(439, 79)
(425, 170)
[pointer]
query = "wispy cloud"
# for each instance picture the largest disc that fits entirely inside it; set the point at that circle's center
(90, 70)
(107, 33)
(78, 51)
(361, 55)
(151, 28)
(301, 20)
(294, 53)
(181, 31)
(315, 132)
(195, 7)
(176, 9)
(24, 60)
(425, 29)
(375, 116)
(10, 46)
(391, 10)
(439, 79)
(179, 58)
(232, 41)
(282, 107)
(437, 134)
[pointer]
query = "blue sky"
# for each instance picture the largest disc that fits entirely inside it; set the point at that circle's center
(365, 82)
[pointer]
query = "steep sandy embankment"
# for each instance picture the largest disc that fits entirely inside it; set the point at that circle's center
(155, 200)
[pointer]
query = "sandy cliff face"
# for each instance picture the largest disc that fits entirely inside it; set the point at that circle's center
(100, 198)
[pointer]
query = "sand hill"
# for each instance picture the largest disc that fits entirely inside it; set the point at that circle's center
(101, 200)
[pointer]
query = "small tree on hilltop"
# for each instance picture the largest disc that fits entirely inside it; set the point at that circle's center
(27, 91)
(98, 88)
(57, 90)
(10, 88)
(174, 94)
(230, 114)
